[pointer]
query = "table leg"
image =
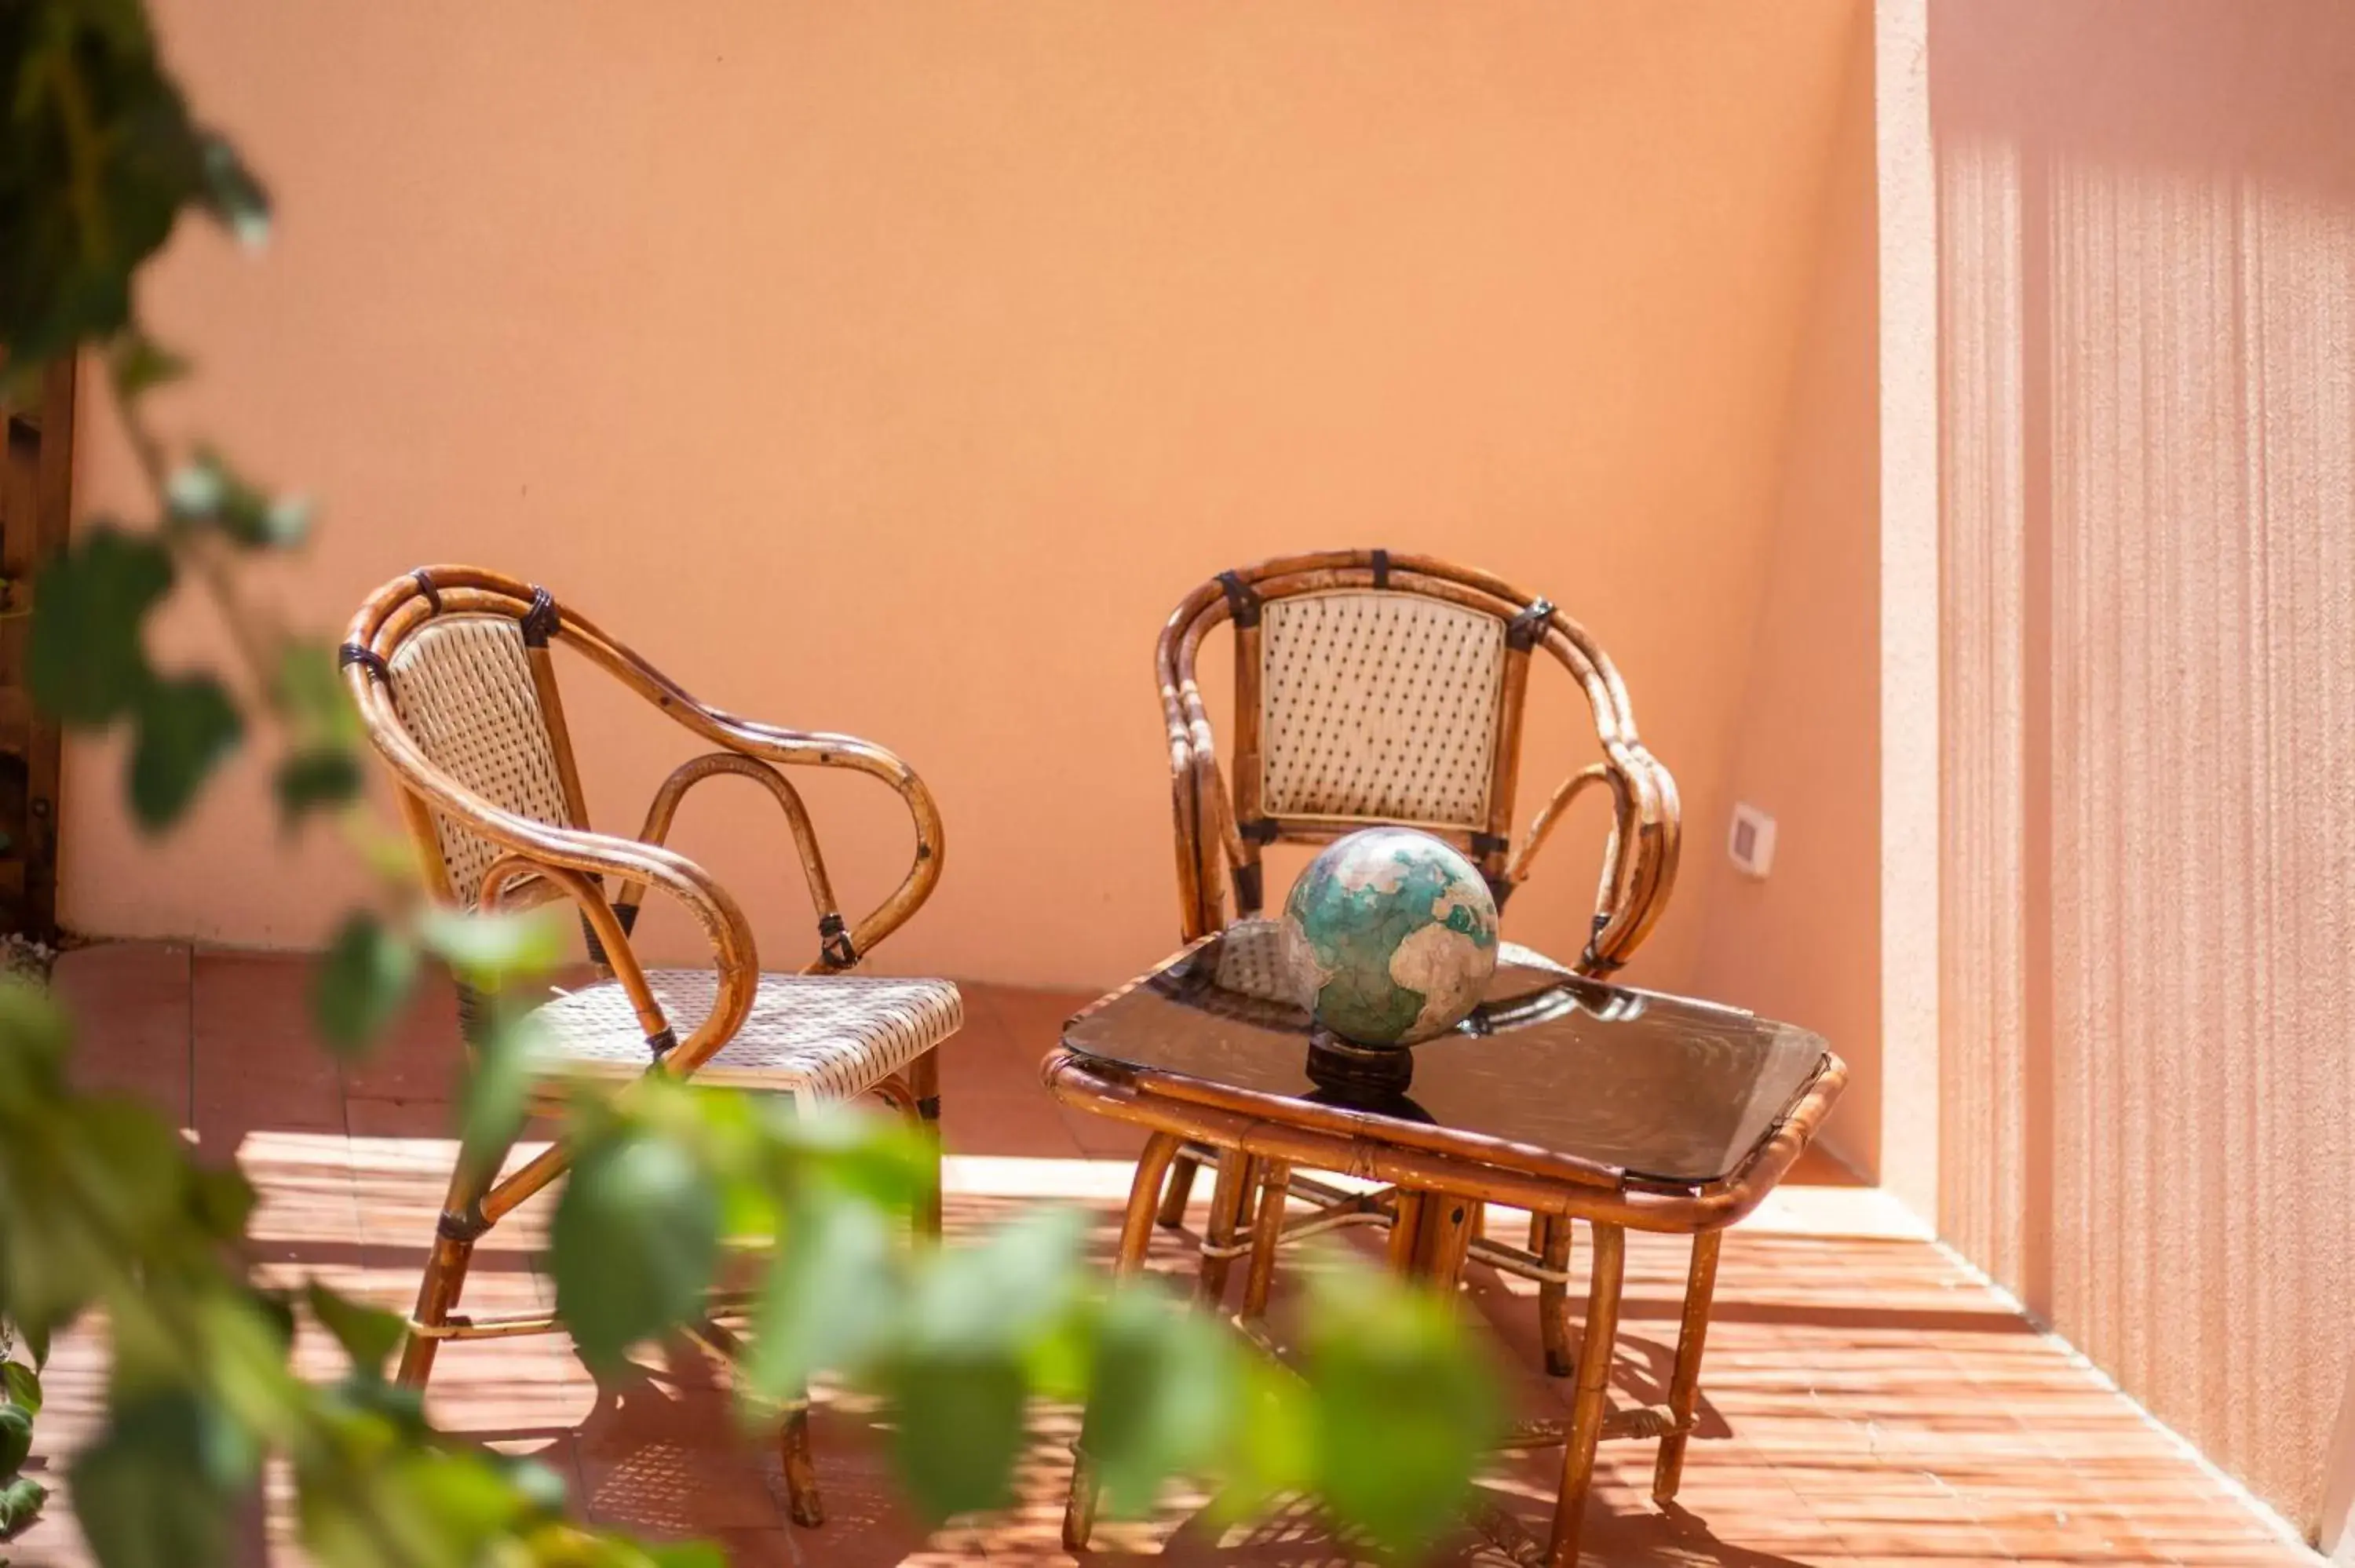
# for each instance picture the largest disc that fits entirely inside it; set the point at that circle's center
(1684, 1383)
(1592, 1397)
(1181, 1191)
(1267, 1234)
(1549, 1239)
(1227, 1198)
(1136, 1235)
(1406, 1230)
(1448, 1223)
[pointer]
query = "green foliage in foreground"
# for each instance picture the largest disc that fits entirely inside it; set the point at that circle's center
(108, 1216)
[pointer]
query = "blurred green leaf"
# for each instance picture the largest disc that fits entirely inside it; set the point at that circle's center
(315, 778)
(188, 726)
(308, 689)
(879, 1158)
(490, 951)
(1272, 1444)
(126, 1164)
(362, 982)
(634, 1241)
(536, 1484)
(21, 1498)
(16, 1437)
(158, 1488)
(832, 1294)
(958, 1373)
(368, 1334)
(1004, 1294)
(958, 1427)
(496, 1098)
(1383, 1357)
(35, 1035)
(140, 363)
(101, 158)
(235, 195)
(1167, 1389)
(223, 1201)
(24, 1388)
(84, 658)
(684, 1554)
(207, 492)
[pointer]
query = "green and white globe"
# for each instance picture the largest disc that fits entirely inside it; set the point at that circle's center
(1390, 936)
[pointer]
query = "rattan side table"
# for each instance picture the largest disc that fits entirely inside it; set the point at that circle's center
(1575, 1100)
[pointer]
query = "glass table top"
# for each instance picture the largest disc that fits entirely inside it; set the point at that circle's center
(1664, 1088)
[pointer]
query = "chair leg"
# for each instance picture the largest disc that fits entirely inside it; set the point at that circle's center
(924, 1093)
(459, 1225)
(437, 1295)
(1179, 1194)
(1551, 1240)
(802, 1498)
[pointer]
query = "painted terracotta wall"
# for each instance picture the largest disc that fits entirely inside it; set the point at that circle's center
(1804, 943)
(894, 368)
(2147, 250)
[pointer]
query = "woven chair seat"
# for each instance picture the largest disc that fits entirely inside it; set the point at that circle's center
(817, 1037)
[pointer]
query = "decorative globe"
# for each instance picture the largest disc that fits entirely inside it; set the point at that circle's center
(1390, 936)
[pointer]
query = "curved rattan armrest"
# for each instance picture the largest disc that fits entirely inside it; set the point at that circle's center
(839, 947)
(549, 848)
(731, 1001)
(817, 749)
(792, 748)
(398, 607)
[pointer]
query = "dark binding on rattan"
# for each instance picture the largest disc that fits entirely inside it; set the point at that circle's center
(1258, 831)
(425, 585)
(1490, 844)
(834, 941)
(473, 1016)
(368, 659)
(1251, 886)
(1523, 631)
(1243, 601)
(662, 1042)
(1381, 568)
(461, 1228)
(597, 954)
(1592, 961)
(541, 621)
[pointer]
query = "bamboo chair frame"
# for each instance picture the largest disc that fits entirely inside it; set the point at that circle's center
(540, 861)
(1221, 829)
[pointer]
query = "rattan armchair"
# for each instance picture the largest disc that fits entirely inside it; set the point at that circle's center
(1374, 688)
(453, 671)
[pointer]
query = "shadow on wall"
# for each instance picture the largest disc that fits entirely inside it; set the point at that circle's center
(2147, 279)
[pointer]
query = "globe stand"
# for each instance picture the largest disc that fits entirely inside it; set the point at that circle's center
(1353, 1072)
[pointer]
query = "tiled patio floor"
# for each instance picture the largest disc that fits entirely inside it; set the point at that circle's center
(1865, 1400)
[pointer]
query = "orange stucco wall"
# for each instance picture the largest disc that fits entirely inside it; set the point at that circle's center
(894, 368)
(1804, 944)
(2147, 252)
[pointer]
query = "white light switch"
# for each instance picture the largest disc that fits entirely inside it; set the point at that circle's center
(1751, 842)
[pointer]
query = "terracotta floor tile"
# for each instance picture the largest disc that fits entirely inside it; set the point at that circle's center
(1011, 1120)
(131, 1003)
(1864, 1401)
